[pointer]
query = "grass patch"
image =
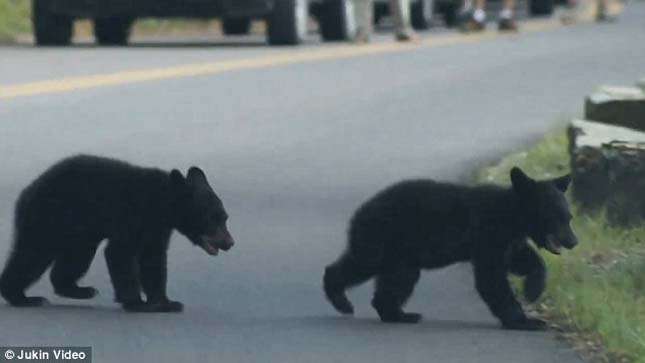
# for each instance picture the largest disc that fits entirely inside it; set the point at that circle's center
(599, 287)
(175, 26)
(14, 18)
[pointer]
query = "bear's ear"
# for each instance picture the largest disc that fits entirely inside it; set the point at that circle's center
(196, 174)
(176, 179)
(522, 183)
(562, 183)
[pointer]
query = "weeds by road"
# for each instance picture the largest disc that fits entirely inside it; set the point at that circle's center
(14, 18)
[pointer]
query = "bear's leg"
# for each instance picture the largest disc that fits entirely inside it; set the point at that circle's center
(343, 274)
(393, 288)
(24, 267)
(525, 261)
(492, 284)
(123, 267)
(153, 267)
(69, 267)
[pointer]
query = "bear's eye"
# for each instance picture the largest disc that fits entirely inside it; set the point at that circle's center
(216, 218)
(210, 217)
(558, 221)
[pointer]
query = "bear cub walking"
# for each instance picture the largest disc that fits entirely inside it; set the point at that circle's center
(62, 217)
(423, 224)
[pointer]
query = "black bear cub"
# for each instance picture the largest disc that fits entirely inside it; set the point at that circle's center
(63, 215)
(423, 224)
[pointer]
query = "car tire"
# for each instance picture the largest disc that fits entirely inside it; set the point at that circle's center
(112, 31)
(236, 26)
(287, 23)
(50, 28)
(381, 10)
(450, 14)
(337, 20)
(421, 14)
(541, 7)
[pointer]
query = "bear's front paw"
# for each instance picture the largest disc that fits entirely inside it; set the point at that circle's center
(171, 307)
(138, 307)
(534, 285)
(532, 324)
(154, 307)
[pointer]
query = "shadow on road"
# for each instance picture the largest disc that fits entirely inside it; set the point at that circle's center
(372, 324)
(161, 44)
(198, 44)
(321, 322)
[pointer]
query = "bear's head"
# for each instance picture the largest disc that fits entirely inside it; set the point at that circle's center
(199, 213)
(545, 210)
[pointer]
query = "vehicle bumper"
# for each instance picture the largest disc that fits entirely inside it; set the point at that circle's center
(162, 8)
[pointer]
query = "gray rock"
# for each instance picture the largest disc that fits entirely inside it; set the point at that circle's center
(620, 106)
(608, 169)
(641, 84)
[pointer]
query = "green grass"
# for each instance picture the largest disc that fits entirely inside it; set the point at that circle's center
(599, 287)
(14, 18)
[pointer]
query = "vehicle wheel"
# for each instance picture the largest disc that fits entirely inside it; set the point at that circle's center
(421, 14)
(287, 24)
(337, 20)
(541, 7)
(380, 11)
(112, 31)
(50, 28)
(236, 26)
(450, 14)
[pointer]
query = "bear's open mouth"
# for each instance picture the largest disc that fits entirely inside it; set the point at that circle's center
(211, 244)
(553, 245)
(215, 242)
(209, 247)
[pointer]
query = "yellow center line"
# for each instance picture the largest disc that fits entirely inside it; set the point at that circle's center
(289, 57)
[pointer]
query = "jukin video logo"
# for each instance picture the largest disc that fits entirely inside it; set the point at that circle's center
(56, 354)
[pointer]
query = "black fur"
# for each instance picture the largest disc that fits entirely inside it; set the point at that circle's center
(423, 224)
(62, 217)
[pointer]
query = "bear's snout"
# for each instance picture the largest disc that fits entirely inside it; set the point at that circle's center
(221, 239)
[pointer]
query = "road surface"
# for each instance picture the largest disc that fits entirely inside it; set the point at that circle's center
(294, 139)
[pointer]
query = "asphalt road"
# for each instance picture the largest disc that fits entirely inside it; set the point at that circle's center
(293, 148)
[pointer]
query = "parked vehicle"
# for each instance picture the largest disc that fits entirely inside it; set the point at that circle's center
(286, 19)
(541, 7)
(422, 11)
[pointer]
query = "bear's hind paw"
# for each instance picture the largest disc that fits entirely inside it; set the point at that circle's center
(341, 303)
(30, 302)
(403, 318)
(157, 307)
(80, 293)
